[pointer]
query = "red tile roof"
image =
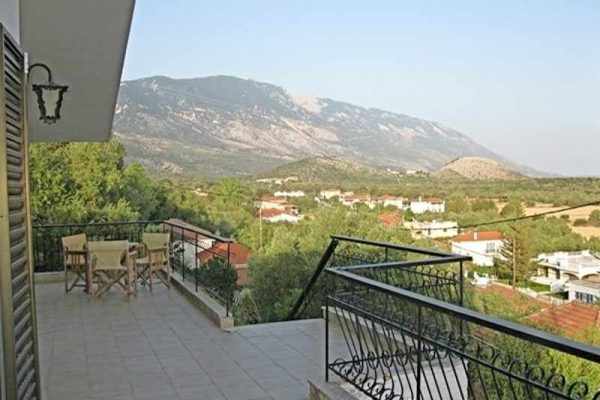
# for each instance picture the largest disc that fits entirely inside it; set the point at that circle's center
(238, 254)
(570, 319)
(478, 236)
(271, 212)
(390, 218)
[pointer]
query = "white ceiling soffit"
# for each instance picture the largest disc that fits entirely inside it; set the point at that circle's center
(83, 42)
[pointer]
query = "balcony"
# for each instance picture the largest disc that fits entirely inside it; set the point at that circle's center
(375, 321)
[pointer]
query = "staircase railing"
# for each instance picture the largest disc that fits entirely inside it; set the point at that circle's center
(399, 329)
(432, 272)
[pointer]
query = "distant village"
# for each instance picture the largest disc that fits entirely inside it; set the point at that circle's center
(576, 273)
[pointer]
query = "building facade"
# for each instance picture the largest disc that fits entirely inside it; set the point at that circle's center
(483, 247)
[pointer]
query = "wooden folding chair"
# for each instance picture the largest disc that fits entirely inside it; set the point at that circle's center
(110, 265)
(75, 260)
(155, 263)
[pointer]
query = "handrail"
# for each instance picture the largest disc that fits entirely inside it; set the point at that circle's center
(81, 225)
(189, 227)
(408, 264)
(395, 246)
(313, 279)
(441, 258)
(562, 344)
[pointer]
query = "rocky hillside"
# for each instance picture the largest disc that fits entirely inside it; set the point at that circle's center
(224, 125)
(477, 168)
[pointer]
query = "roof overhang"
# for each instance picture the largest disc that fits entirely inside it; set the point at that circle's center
(84, 43)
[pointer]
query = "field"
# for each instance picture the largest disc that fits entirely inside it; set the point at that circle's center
(580, 213)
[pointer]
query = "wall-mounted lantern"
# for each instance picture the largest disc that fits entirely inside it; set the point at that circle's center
(49, 96)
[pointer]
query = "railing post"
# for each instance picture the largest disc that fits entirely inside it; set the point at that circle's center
(196, 261)
(461, 284)
(327, 339)
(228, 295)
(419, 350)
(182, 258)
(322, 263)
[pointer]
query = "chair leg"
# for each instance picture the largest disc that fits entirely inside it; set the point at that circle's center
(66, 279)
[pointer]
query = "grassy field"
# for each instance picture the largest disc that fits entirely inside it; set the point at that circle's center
(580, 213)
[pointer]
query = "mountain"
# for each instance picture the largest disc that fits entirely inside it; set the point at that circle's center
(331, 170)
(477, 168)
(222, 125)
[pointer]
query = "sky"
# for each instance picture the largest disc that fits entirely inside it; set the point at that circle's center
(520, 77)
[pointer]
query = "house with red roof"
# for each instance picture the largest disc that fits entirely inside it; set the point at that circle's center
(237, 254)
(390, 219)
(570, 319)
(483, 247)
(273, 215)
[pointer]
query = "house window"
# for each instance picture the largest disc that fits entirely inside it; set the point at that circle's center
(490, 247)
(585, 297)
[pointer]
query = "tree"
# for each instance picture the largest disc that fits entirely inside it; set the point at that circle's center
(513, 209)
(457, 203)
(516, 253)
(483, 205)
(594, 218)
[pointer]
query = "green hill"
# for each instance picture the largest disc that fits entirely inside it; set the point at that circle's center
(331, 170)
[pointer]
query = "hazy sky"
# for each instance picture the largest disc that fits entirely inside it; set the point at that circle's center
(521, 77)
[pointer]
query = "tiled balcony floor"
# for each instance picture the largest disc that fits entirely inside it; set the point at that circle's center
(158, 346)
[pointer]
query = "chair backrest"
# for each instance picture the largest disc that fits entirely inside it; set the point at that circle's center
(156, 240)
(108, 254)
(74, 242)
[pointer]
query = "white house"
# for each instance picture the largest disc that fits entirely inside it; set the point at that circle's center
(563, 266)
(278, 181)
(275, 216)
(277, 203)
(584, 291)
(483, 247)
(432, 229)
(292, 193)
(330, 194)
(392, 201)
(434, 205)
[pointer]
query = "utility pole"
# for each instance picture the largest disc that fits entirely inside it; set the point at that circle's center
(260, 228)
(514, 264)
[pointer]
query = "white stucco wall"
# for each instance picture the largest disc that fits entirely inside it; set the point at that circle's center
(477, 250)
(9, 17)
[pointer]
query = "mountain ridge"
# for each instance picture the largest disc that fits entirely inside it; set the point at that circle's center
(224, 125)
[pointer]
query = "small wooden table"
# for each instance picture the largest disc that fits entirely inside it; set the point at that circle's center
(131, 269)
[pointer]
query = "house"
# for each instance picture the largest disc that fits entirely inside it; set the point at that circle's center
(584, 290)
(292, 193)
(330, 194)
(271, 202)
(392, 201)
(432, 229)
(561, 267)
(278, 181)
(570, 319)
(431, 204)
(390, 219)
(200, 193)
(61, 64)
(237, 254)
(276, 215)
(484, 247)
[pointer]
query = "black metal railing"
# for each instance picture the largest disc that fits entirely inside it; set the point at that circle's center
(425, 271)
(190, 246)
(410, 341)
